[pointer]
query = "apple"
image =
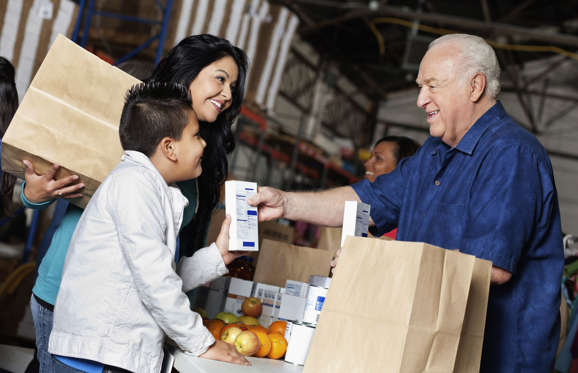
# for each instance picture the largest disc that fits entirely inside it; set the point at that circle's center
(248, 320)
(247, 343)
(230, 333)
(227, 317)
(251, 307)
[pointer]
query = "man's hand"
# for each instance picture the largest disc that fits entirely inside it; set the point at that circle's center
(499, 276)
(335, 260)
(222, 243)
(222, 351)
(40, 188)
(271, 203)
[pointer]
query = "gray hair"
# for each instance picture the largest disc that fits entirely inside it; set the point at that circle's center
(477, 56)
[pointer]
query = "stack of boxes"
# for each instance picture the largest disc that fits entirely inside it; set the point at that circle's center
(298, 303)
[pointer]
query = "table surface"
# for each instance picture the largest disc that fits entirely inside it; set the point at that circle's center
(189, 364)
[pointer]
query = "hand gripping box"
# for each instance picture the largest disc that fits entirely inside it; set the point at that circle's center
(69, 116)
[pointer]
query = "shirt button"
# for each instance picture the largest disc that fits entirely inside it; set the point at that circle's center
(437, 183)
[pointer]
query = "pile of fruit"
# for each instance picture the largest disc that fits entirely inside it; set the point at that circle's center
(245, 333)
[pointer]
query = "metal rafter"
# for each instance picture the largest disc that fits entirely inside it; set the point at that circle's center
(518, 80)
(486, 11)
(461, 22)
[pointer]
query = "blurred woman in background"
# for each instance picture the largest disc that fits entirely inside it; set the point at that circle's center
(385, 155)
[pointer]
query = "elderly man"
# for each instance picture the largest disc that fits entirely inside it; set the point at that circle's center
(480, 184)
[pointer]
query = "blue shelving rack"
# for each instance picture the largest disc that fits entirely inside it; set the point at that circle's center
(90, 12)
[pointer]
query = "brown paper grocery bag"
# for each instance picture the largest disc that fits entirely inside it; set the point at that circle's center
(472, 339)
(69, 116)
(279, 261)
(392, 306)
(329, 239)
(275, 231)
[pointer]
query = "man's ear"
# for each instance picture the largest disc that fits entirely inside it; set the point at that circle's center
(477, 86)
(168, 148)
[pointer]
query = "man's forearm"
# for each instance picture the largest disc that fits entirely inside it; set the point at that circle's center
(322, 208)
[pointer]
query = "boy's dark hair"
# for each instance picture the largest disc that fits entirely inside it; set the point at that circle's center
(152, 111)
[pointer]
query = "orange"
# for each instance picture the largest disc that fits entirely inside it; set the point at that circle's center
(278, 327)
(264, 340)
(215, 327)
(278, 346)
(258, 327)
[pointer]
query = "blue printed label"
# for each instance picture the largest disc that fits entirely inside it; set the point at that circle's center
(319, 303)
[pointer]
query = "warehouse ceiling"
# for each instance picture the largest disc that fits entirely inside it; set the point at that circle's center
(378, 44)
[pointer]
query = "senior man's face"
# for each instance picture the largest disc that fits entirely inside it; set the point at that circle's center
(443, 94)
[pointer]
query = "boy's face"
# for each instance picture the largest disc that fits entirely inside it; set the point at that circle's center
(190, 149)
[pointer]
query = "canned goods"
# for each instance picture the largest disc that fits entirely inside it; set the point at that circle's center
(315, 299)
(299, 337)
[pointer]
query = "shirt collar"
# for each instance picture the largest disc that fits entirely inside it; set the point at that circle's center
(141, 159)
(472, 137)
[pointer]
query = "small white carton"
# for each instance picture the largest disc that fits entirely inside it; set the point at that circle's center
(355, 220)
(238, 290)
(293, 301)
(270, 296)
(243, 234)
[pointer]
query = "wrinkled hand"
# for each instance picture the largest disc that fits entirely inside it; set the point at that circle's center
(270, 203)
(335, 260)
(222, 243)
(222, 351)
(40, 188)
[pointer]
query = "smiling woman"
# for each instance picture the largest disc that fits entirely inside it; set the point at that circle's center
(212, 89)
(215, 71)
(386, 154)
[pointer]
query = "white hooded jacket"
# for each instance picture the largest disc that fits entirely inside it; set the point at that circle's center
(120, 293)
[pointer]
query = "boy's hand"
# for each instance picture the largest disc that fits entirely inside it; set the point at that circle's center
(40, 188)
(222, 243)
(222, 351)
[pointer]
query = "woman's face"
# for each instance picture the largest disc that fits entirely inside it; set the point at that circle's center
(211, 90)
(382, 160)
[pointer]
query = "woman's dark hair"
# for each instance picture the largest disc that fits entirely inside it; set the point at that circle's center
(8, 106)
(182, 65)
(405, 146)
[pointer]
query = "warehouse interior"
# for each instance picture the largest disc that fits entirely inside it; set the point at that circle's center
(327, 78)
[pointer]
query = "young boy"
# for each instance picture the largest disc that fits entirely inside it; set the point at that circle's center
(120, 294)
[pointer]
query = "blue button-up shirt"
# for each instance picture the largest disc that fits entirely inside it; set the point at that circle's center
(492, 196)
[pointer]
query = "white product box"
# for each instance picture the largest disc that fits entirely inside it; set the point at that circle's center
(292, 307)
(270, 296)
(243, 234)
(355, 220)
(296, 288)
(299, 339)
(293, 300)
(238, 291)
